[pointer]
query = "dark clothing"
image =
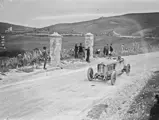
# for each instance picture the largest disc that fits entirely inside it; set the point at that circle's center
(81, 52)
(76, 51)
(45, 58)
(107, 51)
(111, 49)
(76, 48)
(80, 49)
(104, 50)
(45, 61)
(154, 113)
(88, 55)
(45, 54)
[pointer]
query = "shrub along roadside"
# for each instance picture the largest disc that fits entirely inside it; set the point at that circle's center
(27, 58)
(35, 57)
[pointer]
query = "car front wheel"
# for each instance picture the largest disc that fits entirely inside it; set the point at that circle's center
(113, 77)
(90, 74)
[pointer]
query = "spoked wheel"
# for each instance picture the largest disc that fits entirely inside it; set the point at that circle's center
(128, 69)
(113, 77)
(90, 74)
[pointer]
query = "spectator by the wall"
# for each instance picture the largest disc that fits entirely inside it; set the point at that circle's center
(81, 51)
(88, 54)
(76, 51)
(110, 51)
(104, 51)
(45, 57)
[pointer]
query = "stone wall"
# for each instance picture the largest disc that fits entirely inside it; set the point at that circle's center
(55, 48)
(89, 42)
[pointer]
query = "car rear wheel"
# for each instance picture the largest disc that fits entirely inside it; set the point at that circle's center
(113, 77)
(90, 74)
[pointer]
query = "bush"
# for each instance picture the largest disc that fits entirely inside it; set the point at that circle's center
(35, 57)
(28, 58)
(25, 59)
(11, 53)
(67, 54)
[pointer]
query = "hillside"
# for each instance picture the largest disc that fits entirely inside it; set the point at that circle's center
(137, 24)
(127, 24)
(146, 24)
(5, 26)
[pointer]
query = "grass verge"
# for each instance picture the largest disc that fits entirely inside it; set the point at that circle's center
(144, 102)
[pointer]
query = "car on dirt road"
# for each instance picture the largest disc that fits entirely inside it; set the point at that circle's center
(109, 70)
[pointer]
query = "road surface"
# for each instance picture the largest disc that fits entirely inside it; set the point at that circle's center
(65, 95)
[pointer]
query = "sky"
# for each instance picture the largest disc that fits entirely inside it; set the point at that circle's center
(42, 13)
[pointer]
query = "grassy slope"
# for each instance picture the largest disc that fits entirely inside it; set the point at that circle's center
(144, 102)
(125, 25)
(29, 43)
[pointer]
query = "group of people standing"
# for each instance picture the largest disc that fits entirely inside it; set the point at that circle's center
(80, 52)
(108, 50)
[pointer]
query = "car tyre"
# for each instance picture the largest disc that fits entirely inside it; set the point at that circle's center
(113, 77)
(90, 74)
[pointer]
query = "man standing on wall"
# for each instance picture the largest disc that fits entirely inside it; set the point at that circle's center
(45, 57)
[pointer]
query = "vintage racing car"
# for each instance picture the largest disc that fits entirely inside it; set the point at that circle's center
(109, 71)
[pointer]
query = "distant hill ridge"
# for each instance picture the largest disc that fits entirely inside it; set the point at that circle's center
(129, 24)
(5, 26)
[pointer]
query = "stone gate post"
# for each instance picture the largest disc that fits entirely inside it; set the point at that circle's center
(89, 42)
(55, 48)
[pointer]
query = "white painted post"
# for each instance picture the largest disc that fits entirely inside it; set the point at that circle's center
(89, 42)
(55, 48)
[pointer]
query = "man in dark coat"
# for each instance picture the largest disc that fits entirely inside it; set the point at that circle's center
(45, 56)
(110, 50)
(104, 51)
(107, 50)
(81, 52)
(76, 51)
(88, 54)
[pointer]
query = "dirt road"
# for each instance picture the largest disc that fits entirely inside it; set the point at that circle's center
(68, 95)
